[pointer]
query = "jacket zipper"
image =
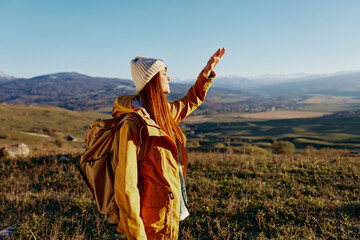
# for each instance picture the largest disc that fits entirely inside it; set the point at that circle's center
(172, 213)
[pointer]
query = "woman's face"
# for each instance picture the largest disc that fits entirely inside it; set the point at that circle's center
(164, 81)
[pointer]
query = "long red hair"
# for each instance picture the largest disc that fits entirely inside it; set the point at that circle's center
(154, 101)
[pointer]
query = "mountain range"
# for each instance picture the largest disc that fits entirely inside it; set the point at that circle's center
(76, 91)
(341, 83)
(70, 90)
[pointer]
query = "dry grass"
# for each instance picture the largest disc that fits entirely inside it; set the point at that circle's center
(231, 196)
(44, 128)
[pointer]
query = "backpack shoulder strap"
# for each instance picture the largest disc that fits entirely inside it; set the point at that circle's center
(133, 117)
(139, 122)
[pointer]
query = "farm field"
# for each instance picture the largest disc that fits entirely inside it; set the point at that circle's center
(327, 103)
(328, 99)
(282, 115)
(260, 116)
(231, 196)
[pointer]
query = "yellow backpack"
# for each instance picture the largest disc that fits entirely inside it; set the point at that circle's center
(97, 165)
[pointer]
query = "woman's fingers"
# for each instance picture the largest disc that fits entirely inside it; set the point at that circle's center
(216, 53)
(222, 52)
(219, 53)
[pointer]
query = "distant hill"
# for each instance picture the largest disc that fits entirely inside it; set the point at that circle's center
(80, 92)
(344, 114)
(235, 83)
(342, 83)
(249, 83)
(4, 77)
(178, 90)
(72, 91)
(337, 84)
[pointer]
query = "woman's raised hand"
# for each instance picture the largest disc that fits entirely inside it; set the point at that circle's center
(213, 61)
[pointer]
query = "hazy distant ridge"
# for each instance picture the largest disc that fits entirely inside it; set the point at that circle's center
(68, 90)
(338, 84)
(347, 82)
(4, 77)
(76, 91)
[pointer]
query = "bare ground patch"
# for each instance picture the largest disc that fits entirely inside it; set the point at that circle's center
(283, 115)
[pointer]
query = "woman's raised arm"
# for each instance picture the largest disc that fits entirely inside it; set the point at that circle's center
(183, 107)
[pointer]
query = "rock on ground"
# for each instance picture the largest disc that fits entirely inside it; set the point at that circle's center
(15, 151)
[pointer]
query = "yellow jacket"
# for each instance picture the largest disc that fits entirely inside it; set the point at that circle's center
(147, 188)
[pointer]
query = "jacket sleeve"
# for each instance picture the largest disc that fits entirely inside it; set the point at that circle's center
(195, 96)
(127, 195)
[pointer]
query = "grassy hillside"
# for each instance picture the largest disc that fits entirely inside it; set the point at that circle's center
(314, 195)
(44, 128)
(334, 131)
(231, 196)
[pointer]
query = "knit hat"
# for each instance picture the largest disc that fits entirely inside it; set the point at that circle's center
(143, 69)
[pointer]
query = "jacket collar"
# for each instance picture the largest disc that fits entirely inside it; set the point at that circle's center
(123, 105)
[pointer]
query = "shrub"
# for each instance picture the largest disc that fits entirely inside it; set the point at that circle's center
(309, 150)
(283, 147)
(331, 152)
(219, 145)
(251, 149)
(193, 144)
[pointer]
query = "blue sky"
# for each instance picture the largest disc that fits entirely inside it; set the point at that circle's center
(99, 38)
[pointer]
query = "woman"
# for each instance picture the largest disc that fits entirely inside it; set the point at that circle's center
(149, 178)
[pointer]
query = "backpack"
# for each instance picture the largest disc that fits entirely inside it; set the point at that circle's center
(97, 166)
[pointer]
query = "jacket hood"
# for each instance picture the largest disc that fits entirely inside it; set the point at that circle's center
(122, 105)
